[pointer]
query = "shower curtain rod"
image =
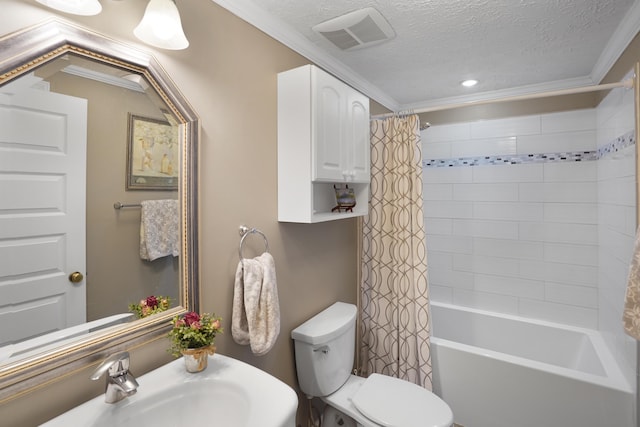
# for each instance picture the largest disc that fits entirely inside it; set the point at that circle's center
(625, 83)
(423, 126)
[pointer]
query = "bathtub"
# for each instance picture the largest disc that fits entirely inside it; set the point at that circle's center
(498, 370)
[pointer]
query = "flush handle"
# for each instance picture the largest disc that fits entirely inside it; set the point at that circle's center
(324, 349)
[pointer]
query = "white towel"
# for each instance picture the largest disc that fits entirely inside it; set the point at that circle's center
(255, 319)
(159, 225)
(631, 315)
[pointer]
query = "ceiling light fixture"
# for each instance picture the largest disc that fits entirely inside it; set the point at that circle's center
(75, 7)
(469, 83)
(161, 26)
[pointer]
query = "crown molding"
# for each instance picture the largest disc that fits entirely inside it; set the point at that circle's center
(622, 36)
(102, 77)
(285, 34)
(464, 100)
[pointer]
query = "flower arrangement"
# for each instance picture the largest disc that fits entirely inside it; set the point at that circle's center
(193, 331)
(150, 305)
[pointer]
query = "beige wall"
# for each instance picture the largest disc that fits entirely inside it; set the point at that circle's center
(229, 76)
(511, 109)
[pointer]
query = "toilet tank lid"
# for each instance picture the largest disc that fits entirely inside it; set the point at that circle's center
(326, 325)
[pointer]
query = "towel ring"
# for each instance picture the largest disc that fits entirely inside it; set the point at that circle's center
(244, 232)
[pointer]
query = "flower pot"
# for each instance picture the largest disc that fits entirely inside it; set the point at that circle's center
(196, 359)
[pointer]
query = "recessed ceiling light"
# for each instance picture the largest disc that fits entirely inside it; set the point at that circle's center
(469, 83)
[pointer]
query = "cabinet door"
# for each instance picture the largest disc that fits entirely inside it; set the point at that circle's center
(328, 124)
(359, 142)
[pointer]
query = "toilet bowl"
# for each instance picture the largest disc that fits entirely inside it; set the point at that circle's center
(389, 403)
(324, 351)
(331, 417)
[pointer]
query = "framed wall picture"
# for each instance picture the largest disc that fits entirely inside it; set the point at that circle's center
(153, 154)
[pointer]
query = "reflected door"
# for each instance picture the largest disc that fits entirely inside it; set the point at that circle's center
(42, 213)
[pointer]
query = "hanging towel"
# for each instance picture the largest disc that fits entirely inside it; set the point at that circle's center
(255, 319)
(631, 315)
(159, 225)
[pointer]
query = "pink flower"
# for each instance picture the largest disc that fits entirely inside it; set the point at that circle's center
(196, 325)
(215, 324)
(143, 302)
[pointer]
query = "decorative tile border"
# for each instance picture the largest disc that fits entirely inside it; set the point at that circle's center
(616, 145)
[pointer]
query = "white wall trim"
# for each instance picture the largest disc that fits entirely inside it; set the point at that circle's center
(103, 78)
(618, 42)
(503, 93)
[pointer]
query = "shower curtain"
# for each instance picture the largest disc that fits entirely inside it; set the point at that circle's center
(394, 299)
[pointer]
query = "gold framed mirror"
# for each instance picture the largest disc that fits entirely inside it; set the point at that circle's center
(29, 56)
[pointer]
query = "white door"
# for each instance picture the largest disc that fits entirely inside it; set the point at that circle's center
(359, 146)
(42, 213)
(328, 127)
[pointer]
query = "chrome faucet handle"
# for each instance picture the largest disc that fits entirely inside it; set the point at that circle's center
(120, 383)
(116, 364)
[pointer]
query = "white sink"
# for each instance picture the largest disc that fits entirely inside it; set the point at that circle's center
(228, 393)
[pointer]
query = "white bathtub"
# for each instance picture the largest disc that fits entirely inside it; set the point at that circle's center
(498, 370)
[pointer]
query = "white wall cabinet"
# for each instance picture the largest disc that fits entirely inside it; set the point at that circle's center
(323, 139)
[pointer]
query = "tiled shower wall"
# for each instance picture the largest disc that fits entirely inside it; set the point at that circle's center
(511, 214)
(535, 216)
(617, 221)
(517, 232)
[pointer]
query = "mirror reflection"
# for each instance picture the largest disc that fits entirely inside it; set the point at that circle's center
(77, 138)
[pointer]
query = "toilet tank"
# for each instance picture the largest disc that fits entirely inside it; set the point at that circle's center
(324, 349)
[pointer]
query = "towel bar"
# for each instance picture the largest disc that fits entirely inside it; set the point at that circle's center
(120, 205)
(244, 232)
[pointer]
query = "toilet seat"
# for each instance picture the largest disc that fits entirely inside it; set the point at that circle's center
(392, 402)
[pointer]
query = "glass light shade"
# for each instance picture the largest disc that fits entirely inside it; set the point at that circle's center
(161, 26)
(75, 7)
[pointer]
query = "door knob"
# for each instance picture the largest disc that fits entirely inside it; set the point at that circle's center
(76, 277)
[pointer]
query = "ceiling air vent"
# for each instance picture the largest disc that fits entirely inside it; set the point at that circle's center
(357, 29)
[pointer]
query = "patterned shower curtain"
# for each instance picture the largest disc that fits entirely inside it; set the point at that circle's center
(394, 298)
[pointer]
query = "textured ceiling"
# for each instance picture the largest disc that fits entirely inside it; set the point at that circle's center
(505, 44)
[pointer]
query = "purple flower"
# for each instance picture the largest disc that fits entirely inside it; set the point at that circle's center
(191, 317)
(152, 302)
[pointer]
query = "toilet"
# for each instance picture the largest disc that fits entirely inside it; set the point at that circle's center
(324, 352)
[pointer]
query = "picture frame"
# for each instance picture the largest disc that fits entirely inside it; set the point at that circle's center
(153, 161)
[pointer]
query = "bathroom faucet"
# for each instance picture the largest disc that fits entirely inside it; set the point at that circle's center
(120, 383)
